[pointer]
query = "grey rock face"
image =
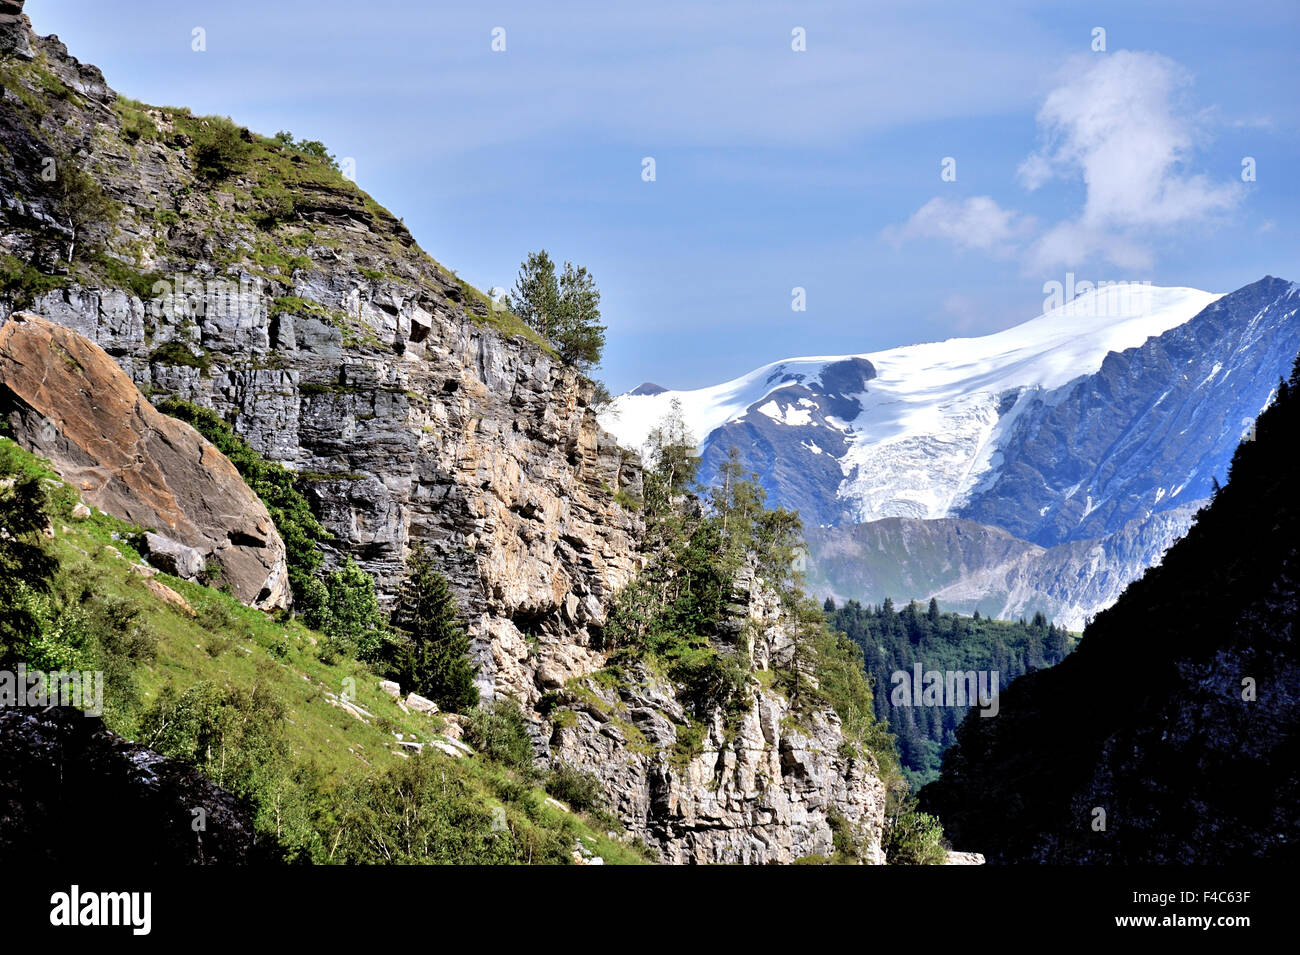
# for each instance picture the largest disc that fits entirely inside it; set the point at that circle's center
(13, 31)
(771, 787)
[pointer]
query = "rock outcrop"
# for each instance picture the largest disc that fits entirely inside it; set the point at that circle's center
(65, 399)
(13, 32)
(772, 785)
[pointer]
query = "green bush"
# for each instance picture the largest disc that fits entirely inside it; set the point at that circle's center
(221, 149)
(175, 353)
(499, 731)
(349, 616)
(306, 147)
(120, 275)
(81, 204)
(580, 789)
(233, 735)
(22, 284)
(911, 837)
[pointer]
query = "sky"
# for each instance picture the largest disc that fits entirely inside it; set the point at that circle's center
(904, 172)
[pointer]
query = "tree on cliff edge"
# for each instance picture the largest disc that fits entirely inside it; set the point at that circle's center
(564, 310)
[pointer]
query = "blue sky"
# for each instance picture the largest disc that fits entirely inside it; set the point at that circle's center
(774, 168)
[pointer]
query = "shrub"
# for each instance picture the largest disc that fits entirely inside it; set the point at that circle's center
(349, 616)
(175, 353)
(221, 149)
(306, 147)
(500, 732)
(233, 735)
(21, 284)
(80, 202)
(580, 789)
(911, 837)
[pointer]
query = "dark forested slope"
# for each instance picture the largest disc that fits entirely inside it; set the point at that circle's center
(1170, 735)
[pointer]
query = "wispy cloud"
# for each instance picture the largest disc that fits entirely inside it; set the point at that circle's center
(1120, 124)
(974, 223)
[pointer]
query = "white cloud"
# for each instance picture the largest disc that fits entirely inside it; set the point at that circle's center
(975, 223)
(1120, 124)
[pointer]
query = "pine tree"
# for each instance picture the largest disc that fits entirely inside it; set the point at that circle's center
(433, 655)
(579, 337)
(564, 310)
(536, 295)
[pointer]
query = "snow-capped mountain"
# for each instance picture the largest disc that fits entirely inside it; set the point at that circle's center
(1153, 428)
(907, 432)
(1103, 423)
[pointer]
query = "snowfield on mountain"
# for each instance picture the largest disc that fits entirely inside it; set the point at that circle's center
(926, 430)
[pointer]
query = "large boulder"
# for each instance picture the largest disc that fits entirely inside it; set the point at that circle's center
(66, 400)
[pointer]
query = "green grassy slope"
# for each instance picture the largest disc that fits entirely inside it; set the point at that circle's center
(330, 756)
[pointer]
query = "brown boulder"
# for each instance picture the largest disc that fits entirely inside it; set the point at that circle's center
(68, 401)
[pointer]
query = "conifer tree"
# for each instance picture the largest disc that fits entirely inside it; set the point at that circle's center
(563, 309)
(433, 653)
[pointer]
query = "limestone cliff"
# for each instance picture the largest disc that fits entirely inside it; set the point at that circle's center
(770, 786)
